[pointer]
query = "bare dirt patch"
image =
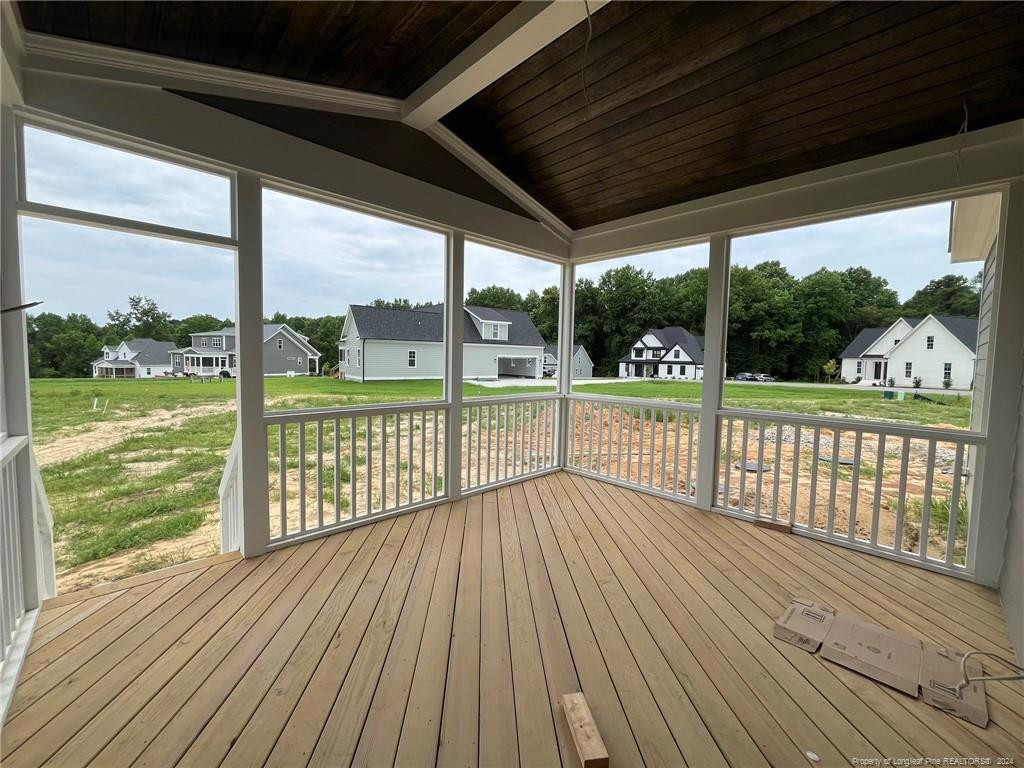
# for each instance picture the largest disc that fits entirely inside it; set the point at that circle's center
(105, 435)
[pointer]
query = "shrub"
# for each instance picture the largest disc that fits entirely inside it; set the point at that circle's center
(947, 383)
(891, 382)
(917, 382)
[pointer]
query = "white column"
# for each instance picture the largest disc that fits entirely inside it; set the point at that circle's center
(990, 505)
(566, 333)
(16, 403)
(454, 332)
(714, 369)
(252, 432)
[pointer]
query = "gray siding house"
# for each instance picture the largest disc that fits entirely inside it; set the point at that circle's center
(582, 365)
(388, 344)
(212, 353)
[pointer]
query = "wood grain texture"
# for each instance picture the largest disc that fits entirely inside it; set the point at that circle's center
(450, 635)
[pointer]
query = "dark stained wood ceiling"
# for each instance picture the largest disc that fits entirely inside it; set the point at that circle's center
(691, 99)
(386, 48)
(683, 99)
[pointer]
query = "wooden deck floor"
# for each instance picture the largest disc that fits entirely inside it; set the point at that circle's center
(445, 636)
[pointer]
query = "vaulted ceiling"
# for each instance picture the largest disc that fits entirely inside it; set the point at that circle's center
(681, 99)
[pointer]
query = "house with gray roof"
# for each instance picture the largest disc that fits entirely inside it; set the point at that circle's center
(582, 365)
(380, 344)
(664, 353)
(286, 352)
(933, 349)
(133, 359)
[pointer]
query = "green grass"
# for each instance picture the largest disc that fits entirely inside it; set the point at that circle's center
(107, 501)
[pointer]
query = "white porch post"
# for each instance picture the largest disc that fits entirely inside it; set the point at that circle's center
(252, 433)
(714, 370)
(454, 332)
(566, 334)
(990, 505)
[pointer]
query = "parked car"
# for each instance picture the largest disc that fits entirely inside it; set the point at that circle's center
(762, 377)
(745, 377)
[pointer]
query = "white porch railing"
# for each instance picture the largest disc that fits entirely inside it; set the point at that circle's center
(333, 468)
(12, 589)
(507, 438)
(230, 493)
(890, 489)
(646, 444)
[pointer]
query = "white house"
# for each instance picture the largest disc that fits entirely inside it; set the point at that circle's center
(134, 359)
(387, 344)
(934, 348)
(664, 353)
(582, 365)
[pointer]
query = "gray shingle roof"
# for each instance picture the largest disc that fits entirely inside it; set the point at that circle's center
(862, 341)
(150, 352)
(427, 324)
(552, 350)
(963, 328)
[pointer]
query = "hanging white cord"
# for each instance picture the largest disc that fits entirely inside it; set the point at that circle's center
(958, 142)
(583, 64)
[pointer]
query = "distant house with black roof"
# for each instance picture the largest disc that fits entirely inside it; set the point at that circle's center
(133, 359)
(582, 365)
(932, 348)
(384, 344)
(664, 353)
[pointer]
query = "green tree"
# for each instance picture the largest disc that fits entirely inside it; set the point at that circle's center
(62, 346)
(588, 327)
(822, 304)
(626, 310)
(830, 368)
(391, 303)
(946, 295)
(682, 300)
(495, 297)
(144, 319)
(543, 311)
(764, 326)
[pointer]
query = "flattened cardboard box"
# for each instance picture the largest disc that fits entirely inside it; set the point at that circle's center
(805, 623)
(874, 651)
(940, 674)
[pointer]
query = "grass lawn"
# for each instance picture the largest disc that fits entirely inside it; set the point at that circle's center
(151, 471)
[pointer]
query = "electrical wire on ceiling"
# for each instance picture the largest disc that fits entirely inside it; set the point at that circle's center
(958, 142)
(583, 63)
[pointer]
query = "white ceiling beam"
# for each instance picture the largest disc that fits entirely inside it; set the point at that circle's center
(47, 53)
(526, 29)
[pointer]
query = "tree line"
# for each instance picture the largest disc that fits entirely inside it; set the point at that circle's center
(779, 324)
(66, 345)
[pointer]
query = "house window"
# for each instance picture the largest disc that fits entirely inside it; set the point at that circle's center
(106, 355)
(299, 360)
(177, 361)
(149, 371)
(638, 352)
(668, 369)
(682, 370)
(344, 356)
(280, 343)
(675, 354)
(412, 358)
(930, 342)
(947, 371)
(218, 341)
(203, 341)
(359, 358)
(495, 331)
(908, 370)
(860, 367)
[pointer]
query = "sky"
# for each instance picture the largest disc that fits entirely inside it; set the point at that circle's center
(319, 258)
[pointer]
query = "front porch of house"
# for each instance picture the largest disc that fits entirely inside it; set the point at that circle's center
(446, 636)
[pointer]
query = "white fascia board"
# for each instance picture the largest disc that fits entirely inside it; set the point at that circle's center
(293, 165)
(523, 31)
(990, 158)
(884, 352)
(58, 54)
(974, 227)
(12, 52)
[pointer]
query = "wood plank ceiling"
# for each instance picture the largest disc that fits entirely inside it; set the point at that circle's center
(683, 100)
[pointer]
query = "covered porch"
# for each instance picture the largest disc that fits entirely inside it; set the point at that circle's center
(418, 583)
(447, 636)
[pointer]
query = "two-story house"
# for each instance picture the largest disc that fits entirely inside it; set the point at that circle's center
(133, 359)
(933, 349)
(664, 353)
(212, 353)
(387, 344)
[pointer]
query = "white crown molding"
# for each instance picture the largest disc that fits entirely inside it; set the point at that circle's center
(478, 163)
(57, 54)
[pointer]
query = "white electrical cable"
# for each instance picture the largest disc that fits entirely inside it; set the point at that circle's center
(583, 64)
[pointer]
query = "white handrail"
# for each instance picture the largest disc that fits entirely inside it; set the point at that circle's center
(864, 425)
(45, 561)
(347, 411)
(230, 499)
(639, 402)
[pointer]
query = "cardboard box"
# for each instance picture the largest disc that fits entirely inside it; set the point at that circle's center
(940, 673)
(805, 623)
(874, 651)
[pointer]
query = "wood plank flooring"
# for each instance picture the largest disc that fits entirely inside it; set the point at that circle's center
(447, 636)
